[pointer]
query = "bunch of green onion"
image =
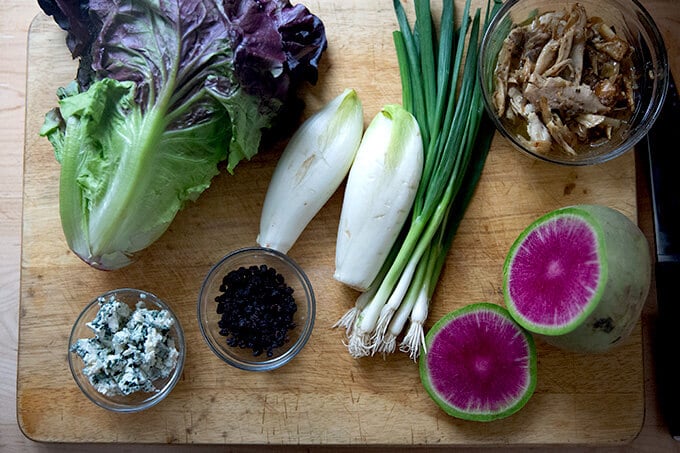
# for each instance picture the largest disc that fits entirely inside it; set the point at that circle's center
(448, 106)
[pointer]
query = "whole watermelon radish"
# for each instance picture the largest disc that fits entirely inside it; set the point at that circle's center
(578, 276)
(479, 363)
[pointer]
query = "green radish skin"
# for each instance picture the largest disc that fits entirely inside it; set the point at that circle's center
(614, 308)
(491, 349)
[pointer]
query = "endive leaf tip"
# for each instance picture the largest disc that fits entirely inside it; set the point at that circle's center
(350, 99)
(404, 121)
(349, 113)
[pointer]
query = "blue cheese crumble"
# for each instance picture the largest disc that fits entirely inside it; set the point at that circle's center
(130, 349)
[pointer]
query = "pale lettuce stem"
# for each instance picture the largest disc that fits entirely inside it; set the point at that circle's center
(132, 173)
(129, 184)
(131, 178)
(74, 219)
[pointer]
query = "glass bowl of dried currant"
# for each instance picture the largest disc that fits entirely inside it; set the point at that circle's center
(256, 309)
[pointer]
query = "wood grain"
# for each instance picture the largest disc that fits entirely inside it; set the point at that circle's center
(323, 397)
(15, 17)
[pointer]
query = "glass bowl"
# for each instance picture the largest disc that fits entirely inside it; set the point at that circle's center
(630, 20)
(139, 400)
(245, 357)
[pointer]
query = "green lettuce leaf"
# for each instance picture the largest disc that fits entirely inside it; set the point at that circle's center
(165, 91)
(124, 175)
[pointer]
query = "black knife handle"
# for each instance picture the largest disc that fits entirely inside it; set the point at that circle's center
(664, 162)
(664, 167)
(667, 340)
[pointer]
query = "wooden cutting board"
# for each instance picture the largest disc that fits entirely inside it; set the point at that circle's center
(323, 396)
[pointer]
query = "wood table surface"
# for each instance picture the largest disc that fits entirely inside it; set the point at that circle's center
(15, 18)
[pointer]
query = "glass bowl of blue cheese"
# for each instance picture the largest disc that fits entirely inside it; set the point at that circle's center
(126, 350)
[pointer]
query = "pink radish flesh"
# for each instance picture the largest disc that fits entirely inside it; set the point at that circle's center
(578, 276)
(555, 271)
(479, 363)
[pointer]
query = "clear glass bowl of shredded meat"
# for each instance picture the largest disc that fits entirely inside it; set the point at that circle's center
(256, 309)
(576, 83)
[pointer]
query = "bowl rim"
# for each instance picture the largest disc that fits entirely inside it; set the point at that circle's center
(306, 331)
(89, 391)
(654, 110)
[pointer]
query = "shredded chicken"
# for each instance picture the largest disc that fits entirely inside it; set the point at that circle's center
(566, 81)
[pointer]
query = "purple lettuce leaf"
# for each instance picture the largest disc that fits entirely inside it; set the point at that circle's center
(166, 90)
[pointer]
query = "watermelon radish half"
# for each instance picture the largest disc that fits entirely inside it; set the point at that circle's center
(579, 276)
(480, 364)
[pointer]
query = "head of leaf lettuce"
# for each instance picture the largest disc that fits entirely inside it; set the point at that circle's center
(165, 91)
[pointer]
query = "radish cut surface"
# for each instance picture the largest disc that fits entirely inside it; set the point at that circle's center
(579, 277)
(555, 272)
(480, 364)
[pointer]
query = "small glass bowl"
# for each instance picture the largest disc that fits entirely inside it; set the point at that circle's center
(628, 18)
(208, 318)
(140, 400)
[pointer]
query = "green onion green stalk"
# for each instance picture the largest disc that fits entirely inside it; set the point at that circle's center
(441, 88)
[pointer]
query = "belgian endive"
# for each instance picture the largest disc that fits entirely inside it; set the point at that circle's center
(380, 191)
(311, 168)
